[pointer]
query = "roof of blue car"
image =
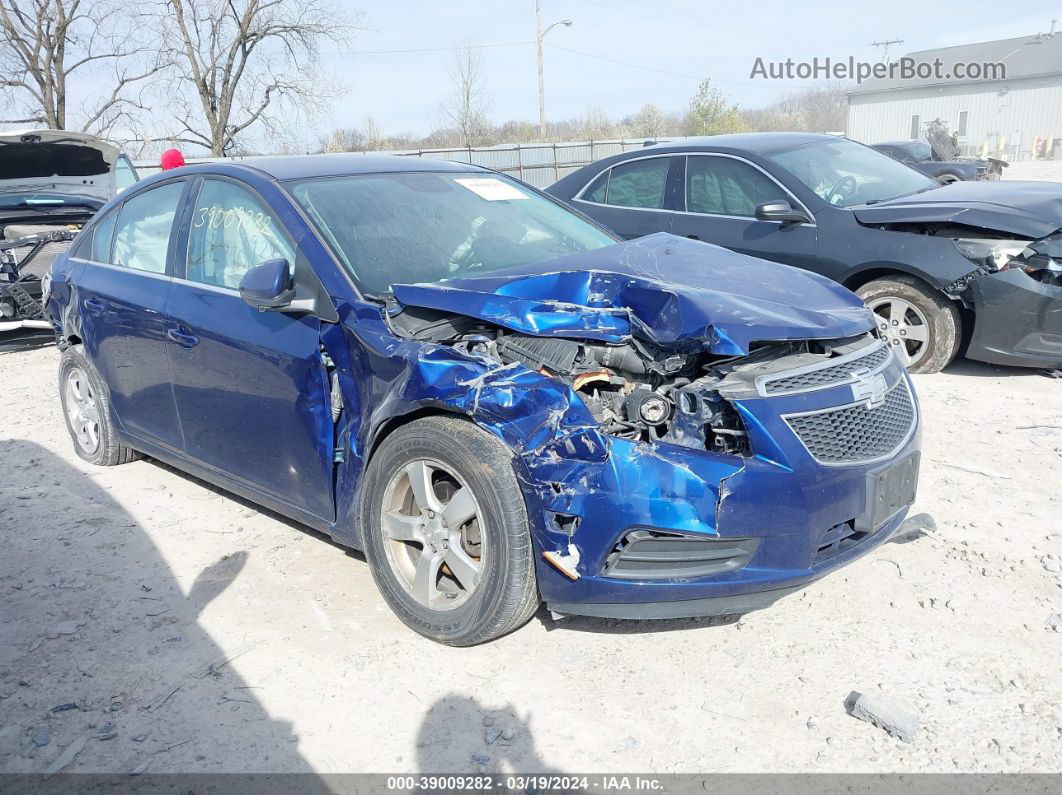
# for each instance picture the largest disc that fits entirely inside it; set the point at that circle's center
(751, 142)
(342, 163)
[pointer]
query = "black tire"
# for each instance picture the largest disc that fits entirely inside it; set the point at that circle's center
(947, 178)
(506, 595)
(108, 451)
(942, 319)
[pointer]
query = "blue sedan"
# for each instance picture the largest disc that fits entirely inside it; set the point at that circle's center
(497, 400)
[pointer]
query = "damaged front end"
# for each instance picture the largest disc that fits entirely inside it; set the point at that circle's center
(680, 476)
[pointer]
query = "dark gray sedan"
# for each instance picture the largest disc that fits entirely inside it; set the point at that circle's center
(970, 264)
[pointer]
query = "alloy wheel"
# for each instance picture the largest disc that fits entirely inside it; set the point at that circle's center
(904, 327)
(82, 410)
(432, 529)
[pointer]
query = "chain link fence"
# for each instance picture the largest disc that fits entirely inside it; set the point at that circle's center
(536, 164)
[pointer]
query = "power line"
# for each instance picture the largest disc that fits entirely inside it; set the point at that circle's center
(435, 49)
(622, 63)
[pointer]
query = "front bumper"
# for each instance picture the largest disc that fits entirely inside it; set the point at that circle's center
(1018, 321)
(783, 505)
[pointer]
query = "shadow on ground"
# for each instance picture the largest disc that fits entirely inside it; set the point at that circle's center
(455, 728)
(104, 667)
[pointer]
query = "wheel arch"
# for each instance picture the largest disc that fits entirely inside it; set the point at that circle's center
(859, 278)
(396, 421)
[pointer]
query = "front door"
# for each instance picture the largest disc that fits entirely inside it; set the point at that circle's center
(122, 293)
(722, 193)
(251, 388)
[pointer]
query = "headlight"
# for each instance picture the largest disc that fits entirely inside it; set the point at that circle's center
(992, 255)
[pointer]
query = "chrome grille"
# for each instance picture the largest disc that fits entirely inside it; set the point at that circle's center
(857, 434)
(829, 375)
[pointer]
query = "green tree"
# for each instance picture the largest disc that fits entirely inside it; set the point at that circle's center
(710, 113)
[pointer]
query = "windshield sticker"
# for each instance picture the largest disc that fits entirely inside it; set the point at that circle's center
(493, 190)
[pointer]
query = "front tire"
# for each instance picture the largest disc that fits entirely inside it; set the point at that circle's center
(921, 326)
(87, 410)
(447, 533)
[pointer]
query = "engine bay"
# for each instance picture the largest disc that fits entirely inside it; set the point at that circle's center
(633, 389)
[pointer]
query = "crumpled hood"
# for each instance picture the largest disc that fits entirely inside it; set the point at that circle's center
(663, 289)
(1028, 210)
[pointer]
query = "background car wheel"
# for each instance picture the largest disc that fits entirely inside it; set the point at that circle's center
(921, 326)
(947, 178)
(447, 533)
(87, 410)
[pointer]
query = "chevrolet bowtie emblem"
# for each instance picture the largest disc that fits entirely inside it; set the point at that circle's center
(868, 389)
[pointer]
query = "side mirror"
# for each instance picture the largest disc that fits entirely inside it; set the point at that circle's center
(780, 210)
(268, 285)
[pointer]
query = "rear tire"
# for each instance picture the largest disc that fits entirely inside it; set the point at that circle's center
(87, 411)
(920, 325)
(447, 534)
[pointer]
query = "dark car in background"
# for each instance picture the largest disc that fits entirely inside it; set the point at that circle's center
(51, 183)
(921, 156)
(495, 398)
(971, 263)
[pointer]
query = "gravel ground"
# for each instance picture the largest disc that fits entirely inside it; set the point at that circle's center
(194, 632)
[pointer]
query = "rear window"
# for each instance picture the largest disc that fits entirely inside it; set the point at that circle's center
(25, 161)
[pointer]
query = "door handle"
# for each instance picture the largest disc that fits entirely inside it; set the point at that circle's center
(182, 339)
(693, 237)
(95, 306)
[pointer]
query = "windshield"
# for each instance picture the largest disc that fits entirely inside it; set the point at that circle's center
(26, 196)
(845, 173)
(919, 152)
(403, 228)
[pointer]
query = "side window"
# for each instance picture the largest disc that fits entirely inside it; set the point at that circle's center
(102, 236)
(640, 183)
(142, 234)
(124, 174)
(232, 231)
(724, 186)
(596, 191)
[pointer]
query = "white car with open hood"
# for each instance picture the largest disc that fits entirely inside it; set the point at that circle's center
(51, 183)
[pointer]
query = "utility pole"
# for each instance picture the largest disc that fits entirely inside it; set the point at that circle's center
(541, 77)
(885, 47)
(539, 36)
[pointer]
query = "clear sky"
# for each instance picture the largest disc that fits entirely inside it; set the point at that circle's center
(685, 40)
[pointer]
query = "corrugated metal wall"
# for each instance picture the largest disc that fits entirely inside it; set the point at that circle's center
(537, 164)
(1018, 111)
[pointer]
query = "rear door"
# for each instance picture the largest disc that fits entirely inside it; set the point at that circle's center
(632, 198)
(721, 195)
(250, 387)
(122, 295)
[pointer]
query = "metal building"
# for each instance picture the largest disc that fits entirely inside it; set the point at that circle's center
(1013, 117)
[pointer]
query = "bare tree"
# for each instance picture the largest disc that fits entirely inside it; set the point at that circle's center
(248, 63)
(649, 122)
(467, 107)
(46, 45)
(596, 124)
(817, 109)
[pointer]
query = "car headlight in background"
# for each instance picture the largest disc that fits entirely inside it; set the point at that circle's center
(992, 255)
(1001, 255)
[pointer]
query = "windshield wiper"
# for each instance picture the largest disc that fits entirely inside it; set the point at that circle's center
(902, 195)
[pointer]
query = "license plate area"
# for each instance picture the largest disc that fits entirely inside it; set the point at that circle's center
(889, 491)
